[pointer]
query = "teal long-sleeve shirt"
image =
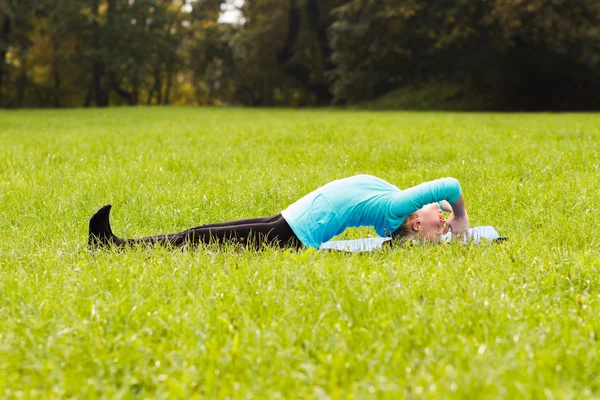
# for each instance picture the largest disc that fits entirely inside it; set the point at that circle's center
(362, 200)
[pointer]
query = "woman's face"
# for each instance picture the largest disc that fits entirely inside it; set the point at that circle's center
(431, 222)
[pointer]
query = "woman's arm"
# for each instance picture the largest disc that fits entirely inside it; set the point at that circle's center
(458, 221)
(458, 207)
(410, 200)
(446, 206)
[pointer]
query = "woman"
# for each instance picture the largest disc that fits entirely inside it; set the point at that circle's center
(361, 200)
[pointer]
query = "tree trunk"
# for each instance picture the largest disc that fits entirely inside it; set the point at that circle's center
(150, 96)
(302, 74)
(320, 29)
(197, 78)
(135, 88)
(112, 74)
(157, 87)
(88, 97)
(100, 95)
(128, 97)
(21, 84)
(56, 93)
(169, 84)
(22, 78)
(55, 73)
(5, 33)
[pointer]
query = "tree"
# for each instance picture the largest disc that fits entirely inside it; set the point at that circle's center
(5, 29)
(522, 54)
(311, 66)
(550, 51)
(18, 23)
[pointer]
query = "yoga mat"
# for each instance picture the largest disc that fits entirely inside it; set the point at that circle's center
(478, 234)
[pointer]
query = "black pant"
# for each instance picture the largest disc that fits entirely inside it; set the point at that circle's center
(255, 232)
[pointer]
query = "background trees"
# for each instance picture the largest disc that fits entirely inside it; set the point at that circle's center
(517, 54)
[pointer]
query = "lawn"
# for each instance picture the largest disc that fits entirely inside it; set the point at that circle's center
(515, 320)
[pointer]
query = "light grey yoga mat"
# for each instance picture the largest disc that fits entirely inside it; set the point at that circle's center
(478, 234)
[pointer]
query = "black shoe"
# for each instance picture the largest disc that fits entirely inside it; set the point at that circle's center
(100, 235)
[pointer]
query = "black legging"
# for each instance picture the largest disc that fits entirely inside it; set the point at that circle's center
(254, 232)
(273, 231)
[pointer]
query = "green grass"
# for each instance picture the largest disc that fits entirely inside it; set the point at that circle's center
(517, 320)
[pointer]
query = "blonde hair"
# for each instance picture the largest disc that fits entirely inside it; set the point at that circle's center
(405, 232)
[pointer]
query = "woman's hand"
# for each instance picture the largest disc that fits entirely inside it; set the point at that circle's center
(458, 221)
(458, 225)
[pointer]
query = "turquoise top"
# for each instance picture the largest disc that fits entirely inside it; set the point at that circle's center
(362, 200)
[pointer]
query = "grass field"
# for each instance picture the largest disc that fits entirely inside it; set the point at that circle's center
(517, 320)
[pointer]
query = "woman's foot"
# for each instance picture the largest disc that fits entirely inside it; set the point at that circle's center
(100, 235)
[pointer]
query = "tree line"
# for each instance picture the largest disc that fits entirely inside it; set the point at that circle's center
(515, 54)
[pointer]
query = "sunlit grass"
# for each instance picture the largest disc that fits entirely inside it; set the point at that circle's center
(518, 319)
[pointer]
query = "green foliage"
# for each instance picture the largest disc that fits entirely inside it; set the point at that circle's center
(81, 51)
(258, 75)
(432, 96)
(518, 320)
(282, 53)
(210, 55)
(521, 55)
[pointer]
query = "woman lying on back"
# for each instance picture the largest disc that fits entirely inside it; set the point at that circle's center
(361, 200)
